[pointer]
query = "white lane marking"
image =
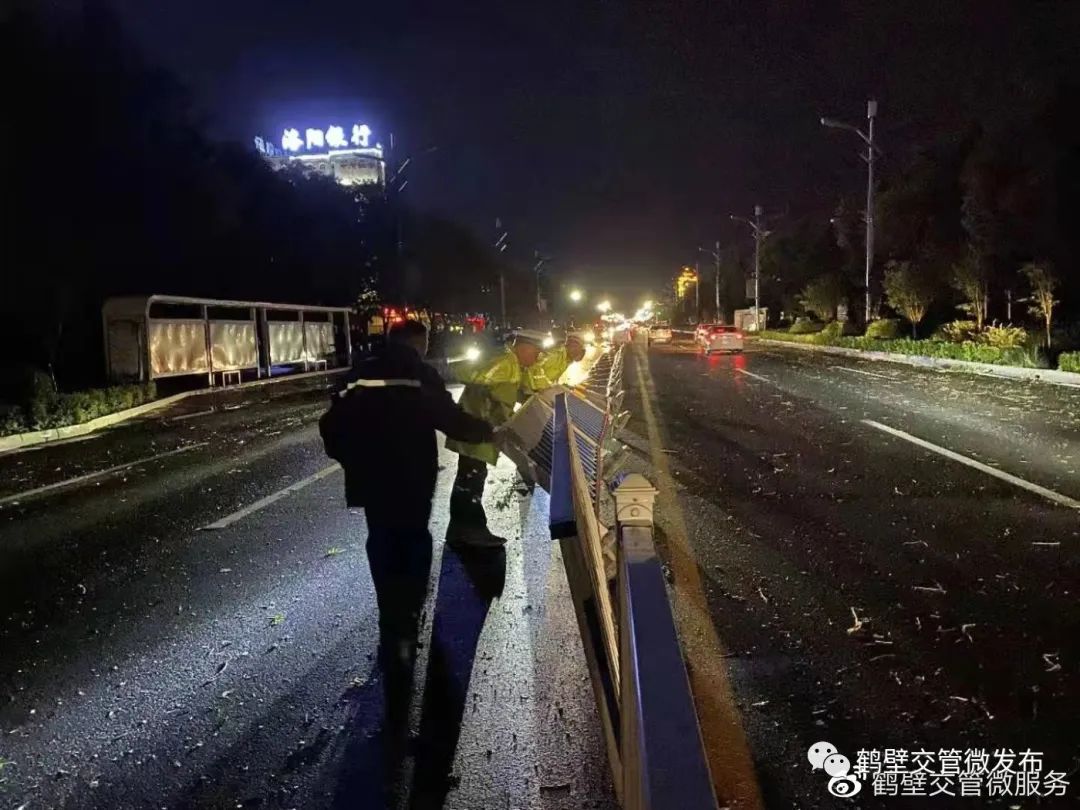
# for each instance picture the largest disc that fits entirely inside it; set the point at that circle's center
(262, 503)
(1049, 494)
(184, 416)
(82, 479)
(752, 374)
(860, 371)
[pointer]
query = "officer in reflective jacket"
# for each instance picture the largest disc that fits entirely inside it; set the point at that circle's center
(548, 370)
(491, 391)
(381, 428)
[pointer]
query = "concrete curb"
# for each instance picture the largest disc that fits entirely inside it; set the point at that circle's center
(34, 438)
(1044, 375)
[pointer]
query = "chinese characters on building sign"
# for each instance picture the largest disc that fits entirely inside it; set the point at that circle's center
(315, 140)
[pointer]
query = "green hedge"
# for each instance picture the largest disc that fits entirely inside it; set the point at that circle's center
(972, 352)
(42, 407)
(884, 329)
(1069, 361)
(804, 326)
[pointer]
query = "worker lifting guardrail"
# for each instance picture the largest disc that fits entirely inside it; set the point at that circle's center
(564, 439)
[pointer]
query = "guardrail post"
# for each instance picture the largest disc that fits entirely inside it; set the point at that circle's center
(663, 758)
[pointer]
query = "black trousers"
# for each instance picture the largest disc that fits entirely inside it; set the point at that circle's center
(467, 497)
(400, 560)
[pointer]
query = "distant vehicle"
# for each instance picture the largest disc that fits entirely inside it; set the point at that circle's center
(720, 338)
(660, 333)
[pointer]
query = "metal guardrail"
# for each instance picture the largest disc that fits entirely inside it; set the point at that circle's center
(627, 628)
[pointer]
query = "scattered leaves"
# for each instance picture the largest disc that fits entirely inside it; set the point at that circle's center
(277, 619)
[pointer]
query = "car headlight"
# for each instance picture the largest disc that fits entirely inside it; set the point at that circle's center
(472, 354)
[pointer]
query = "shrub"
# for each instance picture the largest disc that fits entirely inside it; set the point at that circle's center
(1069, 361)
(804, 326)
(956, 331)
(1004, 337)
(830, 333)
(41, 407)
(883, 329)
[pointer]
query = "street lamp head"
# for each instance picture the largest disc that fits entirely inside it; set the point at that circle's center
(576, 296)
(604, 306)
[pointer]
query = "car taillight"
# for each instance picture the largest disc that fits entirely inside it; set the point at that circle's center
(738, 335)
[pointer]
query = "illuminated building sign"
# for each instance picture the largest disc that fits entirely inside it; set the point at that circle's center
(684, 281)
(314, 142)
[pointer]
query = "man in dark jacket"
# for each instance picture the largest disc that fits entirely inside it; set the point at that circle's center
(381, 428)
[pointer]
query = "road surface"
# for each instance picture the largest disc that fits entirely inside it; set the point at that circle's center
(888, 557)
(187, 620)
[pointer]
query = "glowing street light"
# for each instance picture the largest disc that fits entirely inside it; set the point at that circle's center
(647, 305)
(604, 306)
(576, 296)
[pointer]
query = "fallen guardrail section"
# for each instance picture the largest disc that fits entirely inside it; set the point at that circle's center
(565, 440)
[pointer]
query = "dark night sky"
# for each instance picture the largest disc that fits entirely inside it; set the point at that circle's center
(617, 136)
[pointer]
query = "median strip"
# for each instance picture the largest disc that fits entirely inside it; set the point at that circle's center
(1049, 494)
(262, 503)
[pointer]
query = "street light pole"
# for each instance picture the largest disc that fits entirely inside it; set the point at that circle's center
(871, 113)
(716, 258)
(500, 247)
(759, 235)
(868, 139)
(697, 290)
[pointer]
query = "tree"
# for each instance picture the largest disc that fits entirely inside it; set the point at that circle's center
(970, 279)
(823, 295)
(1043, 284)
(909, 290)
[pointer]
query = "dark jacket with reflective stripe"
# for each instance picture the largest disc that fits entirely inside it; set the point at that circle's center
(387, 415)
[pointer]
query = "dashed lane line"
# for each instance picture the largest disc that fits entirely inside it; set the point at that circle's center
(262, 503)
(752, 374)
(864, 373)
(82, 479)
(1049, 494)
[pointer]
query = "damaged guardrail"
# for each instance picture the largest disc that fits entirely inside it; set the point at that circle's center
(564, 438)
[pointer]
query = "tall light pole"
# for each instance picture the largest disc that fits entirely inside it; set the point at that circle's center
(759, 235)
(868, 139)
(716, 258)
(537, 268)
(500, 247)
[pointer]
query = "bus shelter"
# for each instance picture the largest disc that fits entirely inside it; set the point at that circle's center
(155, 336)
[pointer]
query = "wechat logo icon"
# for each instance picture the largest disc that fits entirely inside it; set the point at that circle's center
(824, 756)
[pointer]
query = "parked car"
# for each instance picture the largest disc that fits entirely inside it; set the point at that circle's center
(721, 338)
(660, 333)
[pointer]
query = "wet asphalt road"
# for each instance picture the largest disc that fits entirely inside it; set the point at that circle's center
(867, 591)
(148, 662)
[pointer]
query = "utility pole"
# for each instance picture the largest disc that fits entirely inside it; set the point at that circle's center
(759, 236)
(717, 257)
(757, 266)
(697, 290)
(500, 248)
(537, 268)
(868, 139)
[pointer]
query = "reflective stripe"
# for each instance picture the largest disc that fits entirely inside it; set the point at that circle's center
(379, 384)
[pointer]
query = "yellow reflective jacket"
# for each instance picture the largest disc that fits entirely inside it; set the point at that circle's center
(548, 370)
(491, 391)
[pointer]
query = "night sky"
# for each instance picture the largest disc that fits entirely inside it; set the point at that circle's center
(615, 136)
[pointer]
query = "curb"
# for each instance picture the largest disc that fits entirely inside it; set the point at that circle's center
(1044, 375)
(23, 441)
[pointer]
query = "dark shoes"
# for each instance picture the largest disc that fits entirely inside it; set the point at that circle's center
(472, 535)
